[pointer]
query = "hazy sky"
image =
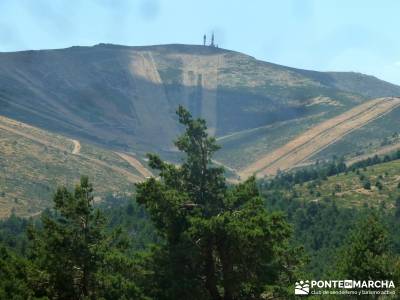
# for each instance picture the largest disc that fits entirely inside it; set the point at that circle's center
(342, 35)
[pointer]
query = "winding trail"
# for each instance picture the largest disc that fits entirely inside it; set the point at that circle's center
(11, 126)
(319, 137)
(77, 146)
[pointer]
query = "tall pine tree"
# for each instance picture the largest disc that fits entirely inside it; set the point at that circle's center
(78, 259)
(220, 242)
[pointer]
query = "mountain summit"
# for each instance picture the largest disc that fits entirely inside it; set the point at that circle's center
(125, 97)
(97, 111)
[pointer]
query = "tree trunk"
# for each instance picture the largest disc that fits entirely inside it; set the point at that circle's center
(227, 272)
(211, 280)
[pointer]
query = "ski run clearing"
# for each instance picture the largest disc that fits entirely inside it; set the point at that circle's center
(319, 137)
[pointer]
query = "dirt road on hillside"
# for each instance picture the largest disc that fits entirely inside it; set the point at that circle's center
(135, 164)
(381, 151)
(12, 126)
(319, 137)
(77, 146)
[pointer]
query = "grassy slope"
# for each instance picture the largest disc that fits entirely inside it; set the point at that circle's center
(125, 97)
(328, 132)
(365, 139)
(243, 148)
(33, 167)
(348, 191)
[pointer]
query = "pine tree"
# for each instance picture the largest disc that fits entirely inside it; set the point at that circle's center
(17, 277)
(220, 242)
(78, 258)
(367, 255)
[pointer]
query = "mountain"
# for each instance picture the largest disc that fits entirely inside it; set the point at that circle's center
(33, 162)
(124, 99)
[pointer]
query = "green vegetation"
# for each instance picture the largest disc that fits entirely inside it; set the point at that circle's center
(372, 182)
(367, 253)
(222, 235)
(374, 186)
(76, 258)
(190, 235)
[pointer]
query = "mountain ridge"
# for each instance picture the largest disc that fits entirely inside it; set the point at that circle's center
(101, 108)
(124, 97)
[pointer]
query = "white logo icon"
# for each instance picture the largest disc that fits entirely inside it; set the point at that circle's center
(348, 284)
(302, 287)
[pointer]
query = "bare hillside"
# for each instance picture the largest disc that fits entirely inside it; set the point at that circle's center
(125, 97)
(319, 137)
(34, 162)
